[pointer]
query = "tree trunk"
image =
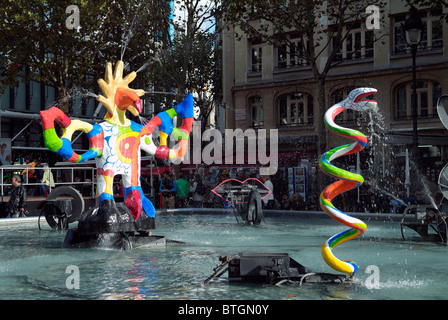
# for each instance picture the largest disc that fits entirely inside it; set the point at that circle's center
(62, 99)
(322, 179)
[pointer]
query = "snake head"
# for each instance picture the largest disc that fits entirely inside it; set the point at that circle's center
(355, 99)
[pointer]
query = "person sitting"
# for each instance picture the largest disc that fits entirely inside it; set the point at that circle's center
(297, 202)
(420, 197)
(286, 203)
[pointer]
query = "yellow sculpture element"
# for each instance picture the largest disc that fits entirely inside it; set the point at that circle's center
(110, 86)
(76, 125)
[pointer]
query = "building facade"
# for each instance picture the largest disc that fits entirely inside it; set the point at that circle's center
(265, 86)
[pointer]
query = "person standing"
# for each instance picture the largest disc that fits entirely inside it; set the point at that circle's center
(196, 190)
(183, 191)
(29, 171)
(269, 200)
(168, 188)
(17, 203)
(38, 174)
(280, 185)
(48, 180)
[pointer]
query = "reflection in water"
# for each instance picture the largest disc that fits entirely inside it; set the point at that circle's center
(134, 278)
(33, 263)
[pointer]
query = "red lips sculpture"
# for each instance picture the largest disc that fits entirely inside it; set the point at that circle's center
(237, 187)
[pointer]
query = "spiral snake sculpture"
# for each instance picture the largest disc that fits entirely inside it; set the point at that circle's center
(346, 180)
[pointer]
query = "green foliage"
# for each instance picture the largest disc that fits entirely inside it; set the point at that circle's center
(432, 4)
(190, 60)
(36, 44)
(179, 52)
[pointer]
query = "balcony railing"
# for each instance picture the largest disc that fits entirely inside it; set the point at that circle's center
(87, 177)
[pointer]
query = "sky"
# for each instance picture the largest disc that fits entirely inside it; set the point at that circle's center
(177, 12)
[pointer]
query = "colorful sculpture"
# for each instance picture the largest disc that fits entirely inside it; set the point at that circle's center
(245, 196)
(116, 143)
(347, 180)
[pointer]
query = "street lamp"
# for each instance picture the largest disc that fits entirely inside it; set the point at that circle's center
(413, 34)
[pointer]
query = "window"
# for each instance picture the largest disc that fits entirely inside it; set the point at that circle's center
(282, 56)
(369, 40)
(432, 31)
(436, 32)
(283, 111)
(436, 93)
(256, 55)
(256, 111)
(353, 43)
(357, 44)
(401, 102)
(295, 109)
(399, 41)
(291, 52)
(427, 95)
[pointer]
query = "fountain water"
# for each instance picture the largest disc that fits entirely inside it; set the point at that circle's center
(380, 171)
(88, 94)
(34, 265)
(126, 38)
(143, 120)
(143, 67)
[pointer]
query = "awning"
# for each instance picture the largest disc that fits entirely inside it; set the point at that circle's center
(155, 171)
(285, 159)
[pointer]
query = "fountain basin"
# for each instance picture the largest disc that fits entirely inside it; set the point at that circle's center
(35, 265)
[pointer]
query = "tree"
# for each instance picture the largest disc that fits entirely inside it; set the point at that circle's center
(321, 25)
(432, 4)
(189, 59)
(38, 45)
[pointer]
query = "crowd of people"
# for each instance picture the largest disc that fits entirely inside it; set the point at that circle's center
(388, 195)
(37, 180)
(182, 191)
(195, 191)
